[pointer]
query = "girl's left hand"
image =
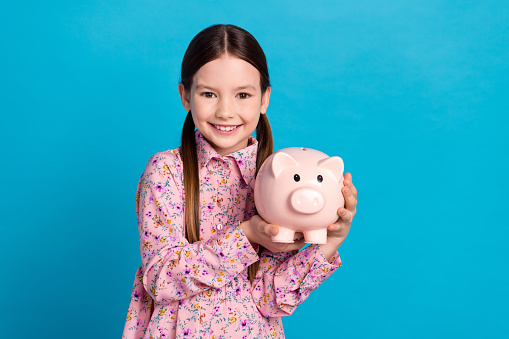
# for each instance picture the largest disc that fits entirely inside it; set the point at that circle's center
(338, 231)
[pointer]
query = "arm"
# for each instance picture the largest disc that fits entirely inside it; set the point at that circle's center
(285, 280)
(172, 268)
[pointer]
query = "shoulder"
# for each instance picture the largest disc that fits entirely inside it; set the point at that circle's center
(168, 157)
(163, 164)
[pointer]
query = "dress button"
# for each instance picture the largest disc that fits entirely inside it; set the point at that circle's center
(219, 227)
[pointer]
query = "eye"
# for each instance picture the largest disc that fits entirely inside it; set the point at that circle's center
(319, 178)
(296, 177)
(243, 95)
(208, 94)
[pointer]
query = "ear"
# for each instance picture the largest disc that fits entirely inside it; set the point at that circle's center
(281, 161)
(265, 100)
(185, 97)
(335, 165)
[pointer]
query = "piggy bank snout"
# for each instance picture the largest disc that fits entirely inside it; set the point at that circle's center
(307, 201)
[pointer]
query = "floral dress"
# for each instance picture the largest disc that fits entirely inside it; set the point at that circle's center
(202, 290)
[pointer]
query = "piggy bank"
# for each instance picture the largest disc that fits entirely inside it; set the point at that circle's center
(299, 190)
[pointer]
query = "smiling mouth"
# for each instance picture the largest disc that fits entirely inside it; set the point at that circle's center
(226, 128)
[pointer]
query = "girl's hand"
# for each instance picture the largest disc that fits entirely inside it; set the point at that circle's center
(259, 232)
(337, 232)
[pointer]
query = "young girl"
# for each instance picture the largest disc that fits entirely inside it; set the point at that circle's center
(209, 268)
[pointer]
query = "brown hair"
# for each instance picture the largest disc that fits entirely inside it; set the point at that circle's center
(208, 45)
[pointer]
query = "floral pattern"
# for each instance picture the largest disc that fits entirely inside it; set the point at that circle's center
(202, 290)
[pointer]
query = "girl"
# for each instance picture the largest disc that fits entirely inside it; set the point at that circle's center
(209, 268)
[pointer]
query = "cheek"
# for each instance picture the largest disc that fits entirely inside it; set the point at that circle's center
(251, 111)
(257, 106)
(251, 104)
(200, 109)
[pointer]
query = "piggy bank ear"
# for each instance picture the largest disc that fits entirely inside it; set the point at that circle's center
(335, 165)
(281, 161)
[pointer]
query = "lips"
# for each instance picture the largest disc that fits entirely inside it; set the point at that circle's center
(226, 128)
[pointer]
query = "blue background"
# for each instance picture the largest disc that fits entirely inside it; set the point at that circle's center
(413, 95)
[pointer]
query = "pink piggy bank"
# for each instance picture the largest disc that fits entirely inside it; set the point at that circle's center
(299, 190)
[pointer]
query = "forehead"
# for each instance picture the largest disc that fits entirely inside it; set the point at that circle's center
(227, 71)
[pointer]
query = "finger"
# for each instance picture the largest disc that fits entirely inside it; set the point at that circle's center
(333, 227)
(349, 183)
(271, 230)
(348, 177)
(345, 215)
(257, 222)
(350, 199)
(353, 189)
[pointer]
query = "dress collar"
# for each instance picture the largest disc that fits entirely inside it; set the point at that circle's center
(245, 158)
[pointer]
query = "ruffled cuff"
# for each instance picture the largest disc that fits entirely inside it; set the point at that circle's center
(310, 272)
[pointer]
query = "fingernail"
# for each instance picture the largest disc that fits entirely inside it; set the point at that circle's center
(347, 190)
(343, 212)
(273, 231)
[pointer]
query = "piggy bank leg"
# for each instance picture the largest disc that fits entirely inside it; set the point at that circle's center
(316, 236)
(285, 235)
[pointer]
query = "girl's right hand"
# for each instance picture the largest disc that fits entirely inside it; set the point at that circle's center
(259, 232)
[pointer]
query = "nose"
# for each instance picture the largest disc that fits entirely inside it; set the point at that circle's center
(307, 201)
(224, 109)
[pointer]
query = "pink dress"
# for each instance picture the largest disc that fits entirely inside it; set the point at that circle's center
(202, 290)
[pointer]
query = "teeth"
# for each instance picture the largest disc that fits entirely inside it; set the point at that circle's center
(225, 128)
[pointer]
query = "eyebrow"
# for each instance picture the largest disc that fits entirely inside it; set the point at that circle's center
(245, 87)
(202, 86)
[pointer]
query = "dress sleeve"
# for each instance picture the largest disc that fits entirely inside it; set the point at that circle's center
(174, 269)
(286, 279)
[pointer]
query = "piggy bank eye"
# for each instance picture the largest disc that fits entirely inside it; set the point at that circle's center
(296, 177)
(319, 178)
